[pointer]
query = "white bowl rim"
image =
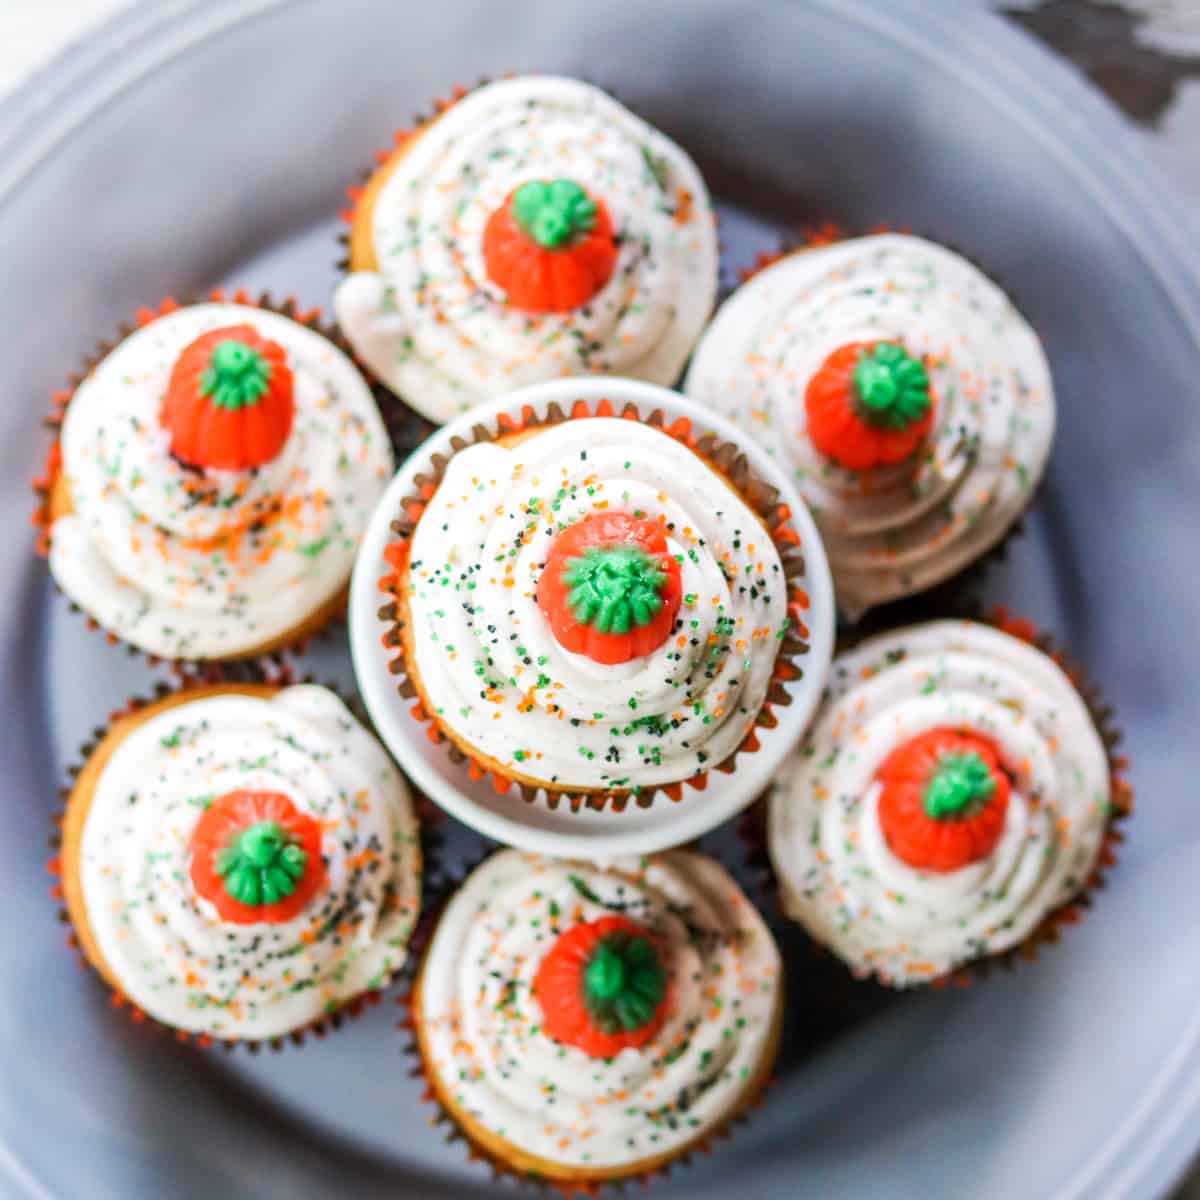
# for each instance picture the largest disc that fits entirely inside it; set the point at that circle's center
(630, 832)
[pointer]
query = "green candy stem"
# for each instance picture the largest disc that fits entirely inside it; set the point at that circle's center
(236, 375)
(891, 387)
(604, 977)
(614, 588)
(553, 213)
(962, 782)
(260, 865)
(623, 983)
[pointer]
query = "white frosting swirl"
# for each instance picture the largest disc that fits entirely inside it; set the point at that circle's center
(837, 874)
(189, 564)
(488, 662)
(481, 1025)
(432, 325)
(166, 947)
(897, 530)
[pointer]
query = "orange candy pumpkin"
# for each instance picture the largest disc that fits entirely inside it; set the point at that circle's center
(609, 589)
(868, 405)
(943, 799)
(229, 403)
(549, 247)
(256, 858)
(602, 987)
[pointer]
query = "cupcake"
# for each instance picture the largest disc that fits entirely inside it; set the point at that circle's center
(908, 397)
(211, 481)
(534, 229)
(598, 607)
(241, 861)
(582, 1023)
(951, 803)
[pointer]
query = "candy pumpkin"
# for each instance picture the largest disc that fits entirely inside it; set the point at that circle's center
(602, 987)
(609, 588)
(256, 858)
(549, 247)
(229, 403)
(943, 799)
(868, 405)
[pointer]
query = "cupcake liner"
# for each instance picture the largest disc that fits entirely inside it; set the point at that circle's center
(394, 416)
(752, 828)
(442, 1118)
(732, 465)
(429, 817)
(962, 591)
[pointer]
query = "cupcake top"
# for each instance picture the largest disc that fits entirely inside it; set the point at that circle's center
(953, 792)
(593, 606)
(534, 229)
(222, 462)
(594, 1017)
(910, 399)
(248, 865)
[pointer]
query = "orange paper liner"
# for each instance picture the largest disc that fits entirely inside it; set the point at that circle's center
(52, 468)
(753, 833)
(476, 1152)
(429, 818)
(731, 464)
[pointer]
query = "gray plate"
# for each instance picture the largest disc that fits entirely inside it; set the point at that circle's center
(206, 140)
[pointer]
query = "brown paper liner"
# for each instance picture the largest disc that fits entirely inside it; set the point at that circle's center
(443, 1118)
(323, 619)
(962, 591)
(753, 833)
(724, 458)
(211, 680)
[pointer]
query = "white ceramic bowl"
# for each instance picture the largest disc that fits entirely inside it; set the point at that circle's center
(532, 825)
